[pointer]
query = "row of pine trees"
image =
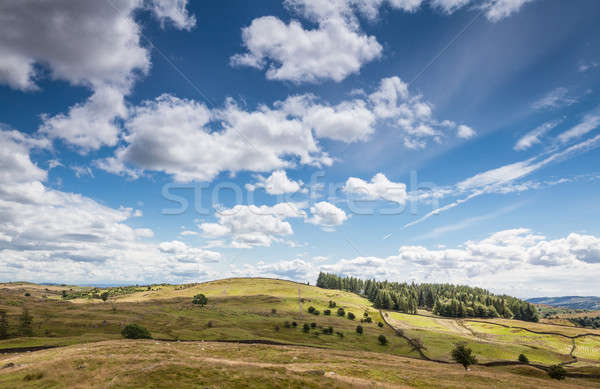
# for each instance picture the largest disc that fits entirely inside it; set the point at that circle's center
(442, 299)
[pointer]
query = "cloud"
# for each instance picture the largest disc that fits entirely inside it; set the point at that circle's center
(379, 188)
(49, 235)
(465, 132)
(184, 253)
(534, 136)
(589, 123)
(326, 215)
(585, 66)
(554, 99)
(495, 10)
(173, 11)
(250, 225)
(498, 259)
(502, 179)
(186, 139)
(174, 135)
(332, 51)
(349, 121)
(500, 9)
(94, 44)
(393, 103)
(296, 269)
(276, 184)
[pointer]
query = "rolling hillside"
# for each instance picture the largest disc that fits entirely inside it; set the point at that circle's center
(253, 330)
(573, 302)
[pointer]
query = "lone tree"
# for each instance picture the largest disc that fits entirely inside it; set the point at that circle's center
(341, 312)
(359, 330)
(3, 325)
(306, 327)
(382, 340)
(135, 331)
(557, 372)
(25, 323)
(464, 355)
(523, 358)
(350, 316)
(104, 296)
(200, 299)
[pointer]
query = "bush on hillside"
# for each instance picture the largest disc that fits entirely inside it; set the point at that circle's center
(327, 312)
(382, 340)
(523, 358)
(341, 312)
(557, 372)
(306, 327)
(313, 325)
(331, 304)
(380, 324)
(464, 355)
(359, 330)
(135, 331)
(311, 309)
(351, 316)
(200, 299)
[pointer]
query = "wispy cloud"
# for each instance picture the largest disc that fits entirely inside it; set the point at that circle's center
(502, 179)
(534, 136)
(589, 123)
(556, 98)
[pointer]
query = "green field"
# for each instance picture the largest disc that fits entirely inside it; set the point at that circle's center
(264, 310)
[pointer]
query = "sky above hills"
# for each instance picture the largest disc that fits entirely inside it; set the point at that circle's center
(410, 140)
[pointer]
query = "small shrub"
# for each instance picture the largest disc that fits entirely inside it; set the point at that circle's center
(351, 316)
(25, 323)
(33, 376)
(3, 325)
(273, 311)
(340, 334)
(294, 324)
(557, 372)
(327, 312)
(464, 355)
(276, 328)
(341, 312)
(382, 340)
(135, 331)
(27, 294)
(311, 309)
(332, 304)
(523, 358)
(368, 319)
(313, 325)
(209, 324)
(359, 330)
(316, 312)
(200, 299)
(306, 328)
(380, 325)
(104, 296)
(287, 324)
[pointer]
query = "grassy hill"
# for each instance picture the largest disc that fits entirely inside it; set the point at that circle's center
(265, 310)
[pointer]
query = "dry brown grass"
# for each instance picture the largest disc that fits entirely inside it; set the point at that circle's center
(141, 364)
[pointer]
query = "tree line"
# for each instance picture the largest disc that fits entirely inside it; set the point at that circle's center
(442, 299)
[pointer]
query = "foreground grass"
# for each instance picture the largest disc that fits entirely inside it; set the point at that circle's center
(151, 364)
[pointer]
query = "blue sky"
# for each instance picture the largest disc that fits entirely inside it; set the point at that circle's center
(426, 140)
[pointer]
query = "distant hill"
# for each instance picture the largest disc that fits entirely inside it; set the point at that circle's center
(572, 302)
